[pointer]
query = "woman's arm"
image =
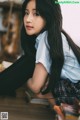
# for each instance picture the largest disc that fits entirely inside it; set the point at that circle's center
(38, 79)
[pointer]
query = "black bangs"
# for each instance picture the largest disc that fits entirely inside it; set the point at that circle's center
(24, 6)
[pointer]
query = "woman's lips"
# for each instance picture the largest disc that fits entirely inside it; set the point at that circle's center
(29, 27)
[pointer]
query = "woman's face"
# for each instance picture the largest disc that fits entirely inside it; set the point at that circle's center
(33, 22)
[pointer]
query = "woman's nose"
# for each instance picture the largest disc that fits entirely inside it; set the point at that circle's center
(29, 18)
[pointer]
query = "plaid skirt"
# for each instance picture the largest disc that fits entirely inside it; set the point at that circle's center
(67, 92)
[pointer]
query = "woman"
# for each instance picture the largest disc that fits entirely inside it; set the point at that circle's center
(57, 56)
(49, 53)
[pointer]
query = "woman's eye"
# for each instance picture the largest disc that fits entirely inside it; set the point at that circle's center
(36, 14)
(26, 13)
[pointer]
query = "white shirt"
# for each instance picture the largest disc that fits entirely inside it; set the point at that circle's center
(71, 67)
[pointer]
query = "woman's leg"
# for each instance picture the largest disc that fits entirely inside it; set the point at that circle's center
(17, 74)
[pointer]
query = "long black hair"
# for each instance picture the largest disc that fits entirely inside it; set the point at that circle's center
(51, 12)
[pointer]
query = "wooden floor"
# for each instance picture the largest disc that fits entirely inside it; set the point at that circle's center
(19, 109)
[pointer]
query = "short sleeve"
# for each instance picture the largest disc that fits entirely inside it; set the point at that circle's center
(42, 54)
